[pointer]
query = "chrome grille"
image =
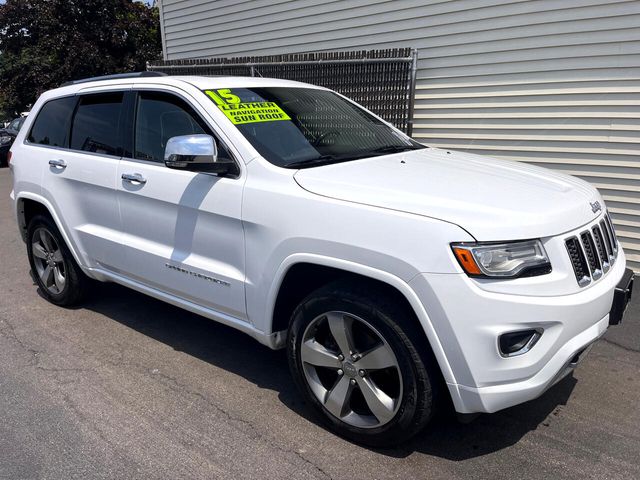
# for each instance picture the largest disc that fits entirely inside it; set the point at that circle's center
(602, 250)
(592, 256)
(578, 261)
(612, 232)
(607, 241)
(593, 251)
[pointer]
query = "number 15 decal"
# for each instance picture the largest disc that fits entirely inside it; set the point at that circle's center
(223, 93)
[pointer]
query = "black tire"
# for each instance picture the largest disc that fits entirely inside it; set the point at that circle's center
(396, 327)
(75, 281)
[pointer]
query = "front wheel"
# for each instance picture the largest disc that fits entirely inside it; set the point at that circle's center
(354, 362)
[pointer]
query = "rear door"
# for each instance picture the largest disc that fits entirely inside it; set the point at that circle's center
(182, 230)
(80, 174)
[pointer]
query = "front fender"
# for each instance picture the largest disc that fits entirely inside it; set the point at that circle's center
(366, 271)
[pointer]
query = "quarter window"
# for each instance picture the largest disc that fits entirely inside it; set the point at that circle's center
(51, 126)
(96, 125)
(160, 116)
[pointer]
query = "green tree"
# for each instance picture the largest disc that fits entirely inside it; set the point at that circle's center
(44, 43)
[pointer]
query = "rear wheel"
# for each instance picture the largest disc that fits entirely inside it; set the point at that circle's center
(53, 267)
(354, 362)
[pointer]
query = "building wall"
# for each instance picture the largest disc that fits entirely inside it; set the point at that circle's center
(555, 83)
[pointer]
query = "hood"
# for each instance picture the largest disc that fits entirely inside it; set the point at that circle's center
(491, 199)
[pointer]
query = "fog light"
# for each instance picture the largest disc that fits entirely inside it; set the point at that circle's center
(518, 343)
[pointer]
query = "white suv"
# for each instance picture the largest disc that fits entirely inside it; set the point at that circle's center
(395, 274)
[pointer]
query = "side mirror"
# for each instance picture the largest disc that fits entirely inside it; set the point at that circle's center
(197, 153)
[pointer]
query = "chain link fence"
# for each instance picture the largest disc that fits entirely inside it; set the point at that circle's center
(381, 80)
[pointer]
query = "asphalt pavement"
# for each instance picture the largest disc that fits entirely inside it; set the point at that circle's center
(127, 387)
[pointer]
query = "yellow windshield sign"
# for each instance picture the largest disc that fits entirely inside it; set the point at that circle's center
(246, 112)
(253, 112)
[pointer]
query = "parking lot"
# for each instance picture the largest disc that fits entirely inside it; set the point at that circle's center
(129, 387)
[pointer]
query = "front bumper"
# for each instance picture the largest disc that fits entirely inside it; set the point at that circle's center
(497, 397)
(469, 319)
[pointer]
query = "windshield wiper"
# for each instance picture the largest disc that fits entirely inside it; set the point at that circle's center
(321, 160)
(396, 148)
(329, 159)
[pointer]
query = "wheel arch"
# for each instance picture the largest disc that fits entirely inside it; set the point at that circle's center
(28, 205)
(288, 290)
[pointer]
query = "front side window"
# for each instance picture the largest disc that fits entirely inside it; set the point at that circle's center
(160, 116)
(51, 126)
(306, 127)
(96, 124)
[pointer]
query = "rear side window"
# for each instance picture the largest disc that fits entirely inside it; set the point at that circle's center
(96, 124)
(51, 126)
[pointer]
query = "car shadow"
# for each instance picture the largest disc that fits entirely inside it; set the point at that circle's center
(221, 346)
(449, 439)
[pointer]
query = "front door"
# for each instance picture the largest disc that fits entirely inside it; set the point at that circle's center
(182, 230)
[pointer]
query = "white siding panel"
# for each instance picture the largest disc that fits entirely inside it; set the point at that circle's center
(548, 82)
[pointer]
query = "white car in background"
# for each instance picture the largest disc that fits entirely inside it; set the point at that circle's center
(395, 274)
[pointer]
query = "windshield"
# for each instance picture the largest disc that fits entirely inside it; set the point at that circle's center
(306, 127)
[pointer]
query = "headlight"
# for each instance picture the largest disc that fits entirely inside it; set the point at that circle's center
(505, 260)
(4, 139)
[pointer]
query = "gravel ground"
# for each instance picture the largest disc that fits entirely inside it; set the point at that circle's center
(128, 387)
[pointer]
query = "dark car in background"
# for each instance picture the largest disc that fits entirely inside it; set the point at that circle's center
(7, 136)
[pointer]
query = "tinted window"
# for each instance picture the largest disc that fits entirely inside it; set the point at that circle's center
(96, 124)
(160, 116)
(15, 124)
(51, 126)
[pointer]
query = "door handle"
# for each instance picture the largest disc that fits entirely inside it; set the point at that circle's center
(59, 164)
(134, 178)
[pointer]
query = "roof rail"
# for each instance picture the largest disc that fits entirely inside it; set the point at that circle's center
(116, 76)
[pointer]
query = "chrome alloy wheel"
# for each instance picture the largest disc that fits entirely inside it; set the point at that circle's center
(47, 258)
(351, 369)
